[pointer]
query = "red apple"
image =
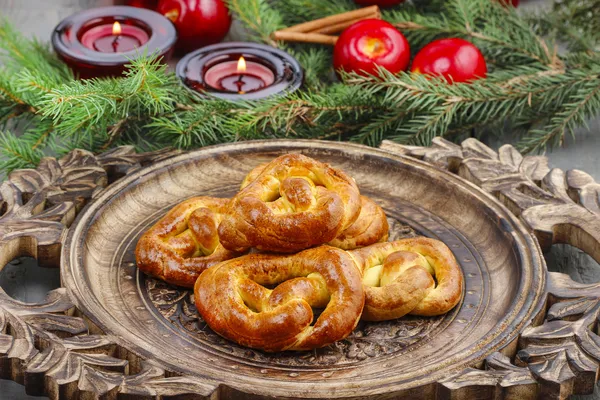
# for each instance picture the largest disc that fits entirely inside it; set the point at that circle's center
(368, 43)
(514, 3)
(149, 4)
(198, 22)
(381, 3)
(455, 59)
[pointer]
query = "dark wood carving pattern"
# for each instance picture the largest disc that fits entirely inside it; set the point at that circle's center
(53, 350)
(561, 352)
(45, 346)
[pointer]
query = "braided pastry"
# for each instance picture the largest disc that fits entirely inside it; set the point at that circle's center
(417, 276)
(370, 227)
(233, 300)
(184, 242)
(294, 203)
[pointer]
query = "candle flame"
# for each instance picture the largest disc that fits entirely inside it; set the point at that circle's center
(241, 67)
(116, 28)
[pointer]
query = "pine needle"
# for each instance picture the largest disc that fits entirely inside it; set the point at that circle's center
(539, 94)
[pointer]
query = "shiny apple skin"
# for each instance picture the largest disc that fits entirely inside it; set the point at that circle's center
(149, 4)
(380, 3)
(368, 43)
(456, 60)
(198, 22)
(514, 3)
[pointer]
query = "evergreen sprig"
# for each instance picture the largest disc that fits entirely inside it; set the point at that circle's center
(542, 94)
(257, 15)
(574, 22)
(298, 11)
(424, 108)
(499, 32)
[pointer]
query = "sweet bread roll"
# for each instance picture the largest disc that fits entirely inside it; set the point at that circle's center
(184, 242)
(370, 227)
(292, 204)
(417, 276)
(234, 300)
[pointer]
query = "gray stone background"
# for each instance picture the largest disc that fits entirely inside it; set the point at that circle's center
(23, 280)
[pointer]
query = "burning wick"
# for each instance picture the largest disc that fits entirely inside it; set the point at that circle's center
(241, 68)
(116, 31)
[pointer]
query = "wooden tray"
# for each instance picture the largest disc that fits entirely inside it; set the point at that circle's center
(520, 332)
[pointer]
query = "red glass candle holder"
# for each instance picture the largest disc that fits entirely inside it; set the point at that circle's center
(101, 41)
(215, 71)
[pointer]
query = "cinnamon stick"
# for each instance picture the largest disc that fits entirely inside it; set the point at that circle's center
(304, 37)
(361, 13)
(337, 28)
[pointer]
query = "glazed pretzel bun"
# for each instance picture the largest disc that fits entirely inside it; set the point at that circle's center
(252, 175)
(417, 276)
(294, 203)
(370, 227)
(184, 242)
(233, 300)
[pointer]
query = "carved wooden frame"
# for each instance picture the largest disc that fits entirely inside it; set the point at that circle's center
(54, 350)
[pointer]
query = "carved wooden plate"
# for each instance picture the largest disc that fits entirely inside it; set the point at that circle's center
(500, 260)
(142, 338)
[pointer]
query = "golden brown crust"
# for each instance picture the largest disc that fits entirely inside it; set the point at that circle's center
(403, 283)
(184, 242)
(293, 203)
(370, 227)
(274, 320)
(252, 175)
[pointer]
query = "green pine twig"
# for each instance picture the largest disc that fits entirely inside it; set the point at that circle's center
(543, 94)
(259, 18)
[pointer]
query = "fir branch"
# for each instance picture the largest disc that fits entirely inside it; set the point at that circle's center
(418, 28)
(9, 90)
(298, 115)
(377, 129)
(573, 21)
(529, 87)
(437, 106)
(90, 106)
(258, 17)
(297, 11)
(29, 71)
(18, 152)
(581, 106)
(198, 125)
(18, 53)
(498, 31)
(318, 68)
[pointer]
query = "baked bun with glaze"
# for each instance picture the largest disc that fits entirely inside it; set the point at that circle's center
(294, 203)
(234, 300)
(417, 276)
(370, 227)
(184, 242)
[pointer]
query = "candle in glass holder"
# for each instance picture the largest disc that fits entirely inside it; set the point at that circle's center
(115, 38)
(101, 41)
(239, 76)
(244, 71)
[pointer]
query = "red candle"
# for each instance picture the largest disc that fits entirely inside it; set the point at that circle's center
(218, 71)
(239, 76)
(103, 41)
(114, 38)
